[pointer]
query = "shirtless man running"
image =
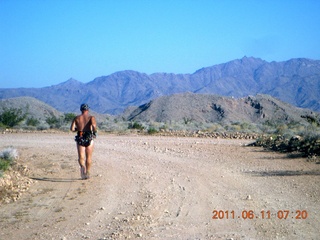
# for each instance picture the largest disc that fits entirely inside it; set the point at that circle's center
(86, 128)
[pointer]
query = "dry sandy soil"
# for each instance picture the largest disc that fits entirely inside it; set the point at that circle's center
(152, 187)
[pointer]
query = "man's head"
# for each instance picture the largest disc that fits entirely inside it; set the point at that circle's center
(84, 107)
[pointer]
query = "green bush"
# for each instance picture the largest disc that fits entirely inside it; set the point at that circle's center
(32, 121)
(42, 126)
(281, 129)
(4, 164)
(187, 120)
(152, 130)
(7, 158)
(53, 122)
(11, 117)
(135, 125)
(68, 117)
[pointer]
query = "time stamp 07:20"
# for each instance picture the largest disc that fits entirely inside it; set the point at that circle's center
(263, 214)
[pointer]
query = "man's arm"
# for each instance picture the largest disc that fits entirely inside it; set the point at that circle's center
(94, 125)
(73, 126)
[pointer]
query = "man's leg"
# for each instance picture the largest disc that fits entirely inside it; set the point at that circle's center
(81, 160)
(89, 151)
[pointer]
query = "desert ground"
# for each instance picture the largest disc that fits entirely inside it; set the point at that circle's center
(153, 187)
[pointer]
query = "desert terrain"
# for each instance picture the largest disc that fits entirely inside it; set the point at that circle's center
(153, 187)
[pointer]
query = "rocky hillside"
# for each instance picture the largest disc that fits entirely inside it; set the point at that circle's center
(40, 110)
(187, 107)
(296, 81)
(214, 108)
(30, 106)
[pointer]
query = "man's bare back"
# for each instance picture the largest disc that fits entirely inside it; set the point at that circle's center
(84, 123)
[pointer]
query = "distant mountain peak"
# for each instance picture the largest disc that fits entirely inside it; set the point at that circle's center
(71, 82)
(71, 79)
(250, 59)
(295, 81)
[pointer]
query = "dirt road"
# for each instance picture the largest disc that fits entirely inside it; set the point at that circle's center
(151, 187)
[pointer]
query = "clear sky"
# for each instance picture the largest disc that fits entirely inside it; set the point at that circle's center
(46, 42)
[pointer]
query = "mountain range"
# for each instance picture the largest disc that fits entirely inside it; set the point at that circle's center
(296, 81)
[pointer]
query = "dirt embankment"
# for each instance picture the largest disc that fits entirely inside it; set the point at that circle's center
(153, 187)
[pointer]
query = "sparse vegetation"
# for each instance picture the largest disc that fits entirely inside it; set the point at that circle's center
(55, 122)
(281, 128)
(312, 120)
(32, 122)
(308, 145)
(7, 159)
(152, 130)
(68, 117)
(11, 117)
(52, 121)
(135, 125)
(187, 120)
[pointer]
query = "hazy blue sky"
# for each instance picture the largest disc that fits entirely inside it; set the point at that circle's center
(46, 42)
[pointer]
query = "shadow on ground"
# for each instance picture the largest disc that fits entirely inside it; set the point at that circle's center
(284, 155)
(283, 173)
(56, 179)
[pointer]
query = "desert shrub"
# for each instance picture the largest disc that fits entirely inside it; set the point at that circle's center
(297, 129)
(9, 154)
(235, 127)
(312, 120)
(308, 144)
(191, 126)
(113, 126)
(30, 128)
(311, 135)
(187, 120)
(43, 126)
(152, 130)
(135, 125)
(163, 127)
(32, 121)
(281, 129)
(68, 117)
(54, 122)
(4, 165)
(11, 117)
(248, 127)
(7, 158)
(215, 127)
